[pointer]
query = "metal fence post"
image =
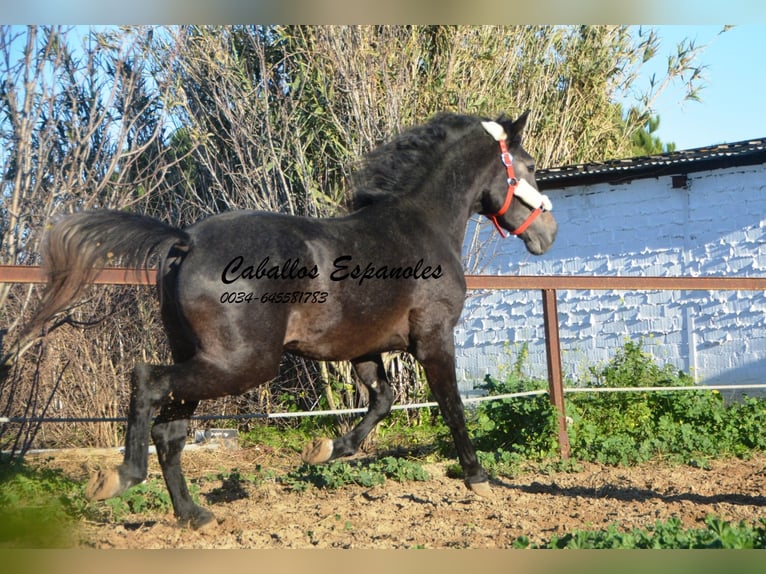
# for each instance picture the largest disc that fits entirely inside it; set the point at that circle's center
(555, 378)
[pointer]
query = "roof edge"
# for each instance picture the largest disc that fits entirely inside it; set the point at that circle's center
(748, 152)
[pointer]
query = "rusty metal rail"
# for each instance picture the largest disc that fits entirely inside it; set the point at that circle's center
(616, 283)
(110, 276)
(547, 284)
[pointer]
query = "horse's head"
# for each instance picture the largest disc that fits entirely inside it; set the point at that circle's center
(512, 201)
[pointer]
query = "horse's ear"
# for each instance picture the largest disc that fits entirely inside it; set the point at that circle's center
(516, 128)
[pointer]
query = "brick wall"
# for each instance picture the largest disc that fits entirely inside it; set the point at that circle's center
(714, 226)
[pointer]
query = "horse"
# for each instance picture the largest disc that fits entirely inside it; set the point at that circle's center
(240, 288)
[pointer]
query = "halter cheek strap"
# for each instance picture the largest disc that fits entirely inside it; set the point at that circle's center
(518, 188)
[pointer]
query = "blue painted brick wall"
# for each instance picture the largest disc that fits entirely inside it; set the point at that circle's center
(715, 226)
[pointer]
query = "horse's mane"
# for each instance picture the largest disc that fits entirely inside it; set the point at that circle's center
(400, 165)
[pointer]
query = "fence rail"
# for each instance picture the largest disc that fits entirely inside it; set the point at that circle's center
(546, 284)
(110, 276)
(130, 276)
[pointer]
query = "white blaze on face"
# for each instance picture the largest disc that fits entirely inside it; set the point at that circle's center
(532, 197)
(524, 191)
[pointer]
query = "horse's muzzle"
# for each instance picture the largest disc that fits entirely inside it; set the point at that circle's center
(541, 234)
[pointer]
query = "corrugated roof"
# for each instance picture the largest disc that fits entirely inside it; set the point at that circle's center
(750, 152)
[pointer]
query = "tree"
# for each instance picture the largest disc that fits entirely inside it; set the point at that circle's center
(644, 143)
(80, 127)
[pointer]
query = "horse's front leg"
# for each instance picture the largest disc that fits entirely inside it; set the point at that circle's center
(439, 364)
(373, 374)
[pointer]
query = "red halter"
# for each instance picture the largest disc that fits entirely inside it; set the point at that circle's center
(507, 160)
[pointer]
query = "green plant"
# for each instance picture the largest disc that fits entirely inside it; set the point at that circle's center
(150, 496)
(619, 427)
(670, 534)
(685, 426)
(338, 474)
(38, 507)
(523, 425)
(400, 429)
(277, 436)
(401, 469)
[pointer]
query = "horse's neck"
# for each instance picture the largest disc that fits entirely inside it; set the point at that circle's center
(448, 201)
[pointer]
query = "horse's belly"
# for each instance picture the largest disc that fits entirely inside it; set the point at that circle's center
(326, 351)
(345, 340)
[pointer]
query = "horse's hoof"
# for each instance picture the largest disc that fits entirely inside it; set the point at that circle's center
(202, 521)
(317, 451)
(104, 484)
(481, 488)
(210, 525)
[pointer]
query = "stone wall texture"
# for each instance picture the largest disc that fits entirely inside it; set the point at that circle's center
(715, 226)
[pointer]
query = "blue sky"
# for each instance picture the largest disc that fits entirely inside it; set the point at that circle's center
(732, 106)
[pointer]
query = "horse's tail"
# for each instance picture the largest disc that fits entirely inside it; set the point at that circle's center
(77, 245)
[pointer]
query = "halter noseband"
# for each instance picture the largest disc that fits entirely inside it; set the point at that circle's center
(519, 188)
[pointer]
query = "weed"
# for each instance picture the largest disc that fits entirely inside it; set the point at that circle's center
(38, 508)
(277, 436)
(338, 474)
(670, 534)
(622, 428)
(149, 496)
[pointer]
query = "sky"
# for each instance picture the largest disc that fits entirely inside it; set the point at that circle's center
(732, 102)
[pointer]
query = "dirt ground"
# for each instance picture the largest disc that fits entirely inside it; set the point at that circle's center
(438, 513)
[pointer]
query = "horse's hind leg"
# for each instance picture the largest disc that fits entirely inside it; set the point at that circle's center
(180, 386)
(144, 398)
(169, 436)
(373, 374)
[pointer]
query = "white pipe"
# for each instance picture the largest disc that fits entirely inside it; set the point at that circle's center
(4, 420)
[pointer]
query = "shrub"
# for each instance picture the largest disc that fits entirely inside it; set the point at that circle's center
(622, 427)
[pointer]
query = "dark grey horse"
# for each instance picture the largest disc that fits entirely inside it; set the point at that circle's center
(239, 289)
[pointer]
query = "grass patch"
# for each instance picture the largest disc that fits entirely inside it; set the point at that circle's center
(39, 508)
(338, 474)
(668, 535)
